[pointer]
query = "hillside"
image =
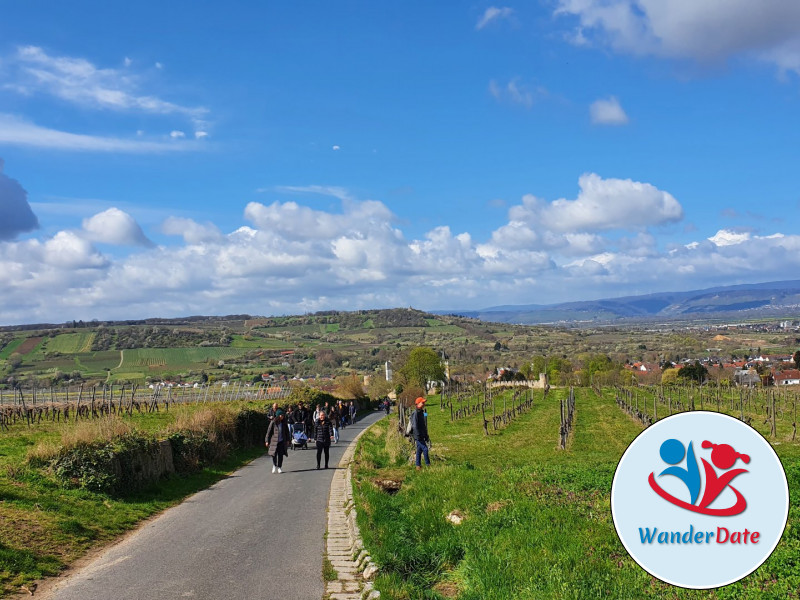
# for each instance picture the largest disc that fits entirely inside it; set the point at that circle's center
(762, 300)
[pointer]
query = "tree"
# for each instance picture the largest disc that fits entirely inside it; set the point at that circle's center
(796, 359)
(422, 365)
(695, 372)
(669, 376)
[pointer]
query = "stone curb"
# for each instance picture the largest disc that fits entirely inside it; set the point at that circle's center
(343, 545)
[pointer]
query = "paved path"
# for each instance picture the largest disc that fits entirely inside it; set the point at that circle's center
(252, 535)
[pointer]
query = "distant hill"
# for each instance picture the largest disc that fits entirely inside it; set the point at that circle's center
(776, 299)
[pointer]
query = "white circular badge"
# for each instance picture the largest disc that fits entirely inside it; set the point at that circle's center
(699, 500)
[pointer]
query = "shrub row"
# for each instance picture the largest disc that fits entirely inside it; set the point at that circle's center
(134, 459)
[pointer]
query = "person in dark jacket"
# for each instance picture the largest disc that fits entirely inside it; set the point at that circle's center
(419, 431)
(333, 417)
(277, 440)
(323, 434)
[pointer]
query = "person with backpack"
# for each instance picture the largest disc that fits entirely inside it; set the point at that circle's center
(418, 425)
(323, 432)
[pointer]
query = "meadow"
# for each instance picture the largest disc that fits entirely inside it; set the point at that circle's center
(536, 519)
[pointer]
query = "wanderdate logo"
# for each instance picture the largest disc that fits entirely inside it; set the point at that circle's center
(723, 457)
(699, 500)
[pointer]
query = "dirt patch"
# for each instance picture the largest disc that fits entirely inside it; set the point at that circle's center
(28, 345)
(447, 589)
(495, 506)
(390, 486)
(721, 338)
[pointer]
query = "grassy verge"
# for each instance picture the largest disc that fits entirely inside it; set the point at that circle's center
(45, 526)
(536, 520)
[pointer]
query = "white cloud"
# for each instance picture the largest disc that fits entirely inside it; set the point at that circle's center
(607, 112)
(601, 205)
(323, 190)
(19, 132)
(177, 135)
(293, 258)
(191, 231)
(705, 31)
(517, 92)
(78, 81)
(493, 14)
(725, 237)
(114, 226)
(16, 215)
(127, 62)
(337, 148)
(200, 135)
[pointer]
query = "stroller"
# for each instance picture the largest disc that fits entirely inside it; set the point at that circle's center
(299, 437)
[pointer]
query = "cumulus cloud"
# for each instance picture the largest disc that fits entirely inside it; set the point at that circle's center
(601, 205)
(706, 31)
(293, 258)
(16, 215)
(492, 15)
(607, 112)
(191, 231)
(114, 226)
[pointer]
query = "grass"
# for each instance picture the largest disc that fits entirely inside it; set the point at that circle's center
(328, 572)
(10, 348)
(44, 527)
(537, 519)
(71, 343)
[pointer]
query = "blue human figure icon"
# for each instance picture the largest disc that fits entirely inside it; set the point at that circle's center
(672, 452)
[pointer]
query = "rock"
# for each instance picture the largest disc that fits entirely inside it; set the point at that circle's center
(455, 517)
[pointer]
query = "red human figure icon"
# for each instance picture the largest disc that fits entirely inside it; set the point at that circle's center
(724, 457)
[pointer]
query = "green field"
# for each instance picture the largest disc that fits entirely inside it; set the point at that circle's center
(537, 521)
(6, 352)
(71, 343)
(175, 358)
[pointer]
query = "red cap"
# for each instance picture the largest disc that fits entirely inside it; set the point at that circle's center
(420, 400)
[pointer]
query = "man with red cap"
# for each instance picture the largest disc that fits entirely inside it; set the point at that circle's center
(419, 431)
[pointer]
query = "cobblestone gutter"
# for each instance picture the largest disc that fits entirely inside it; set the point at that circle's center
(344, 548)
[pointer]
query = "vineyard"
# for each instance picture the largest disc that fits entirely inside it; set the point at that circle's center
(771, 411)
(33, 406)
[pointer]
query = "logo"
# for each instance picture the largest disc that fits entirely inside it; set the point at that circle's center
(699, 500)
(723, 456)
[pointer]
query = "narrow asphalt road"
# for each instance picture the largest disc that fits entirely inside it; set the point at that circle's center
(253, 535)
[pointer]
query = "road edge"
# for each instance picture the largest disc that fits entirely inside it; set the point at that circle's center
(343, 545)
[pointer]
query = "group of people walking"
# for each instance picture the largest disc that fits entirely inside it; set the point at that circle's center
(322, 425)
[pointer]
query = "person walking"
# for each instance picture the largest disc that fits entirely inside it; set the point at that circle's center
(334, 419)
(277, 440)
(322, 434)
(419, 431)
(352, 412)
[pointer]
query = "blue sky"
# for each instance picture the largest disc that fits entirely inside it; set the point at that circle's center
(165, 159)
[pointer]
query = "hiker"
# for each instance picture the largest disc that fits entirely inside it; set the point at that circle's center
(419, 431)
(316, 413)
(323, 434)
(387, 405)
(334, 419)
(342, 410)
(277, 440)
(271, 412)
(352, 412)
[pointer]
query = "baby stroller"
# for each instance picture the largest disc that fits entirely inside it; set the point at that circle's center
(299, 437)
